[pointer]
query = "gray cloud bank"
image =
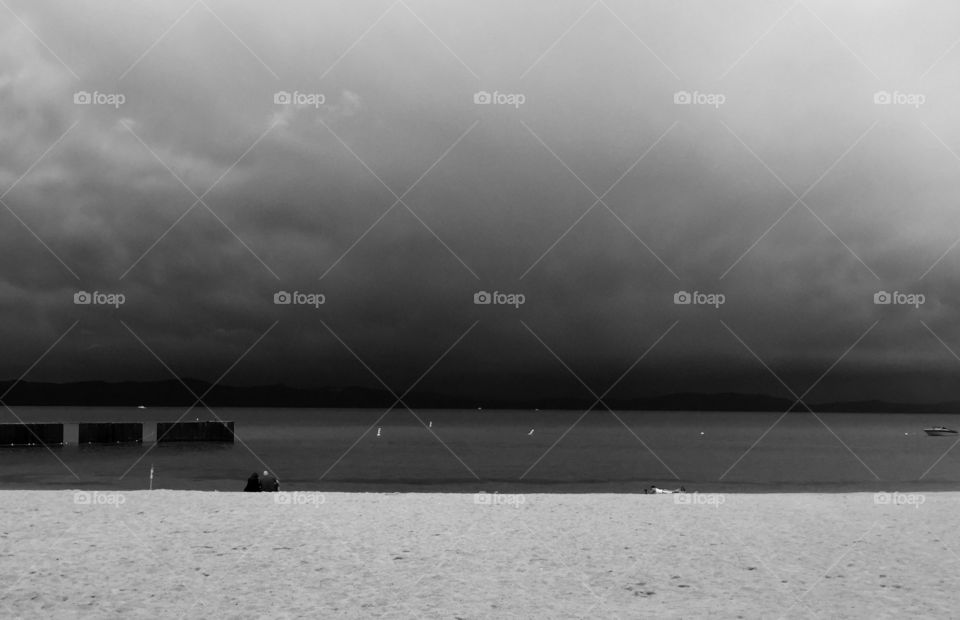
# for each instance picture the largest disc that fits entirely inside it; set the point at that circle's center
(695, 197)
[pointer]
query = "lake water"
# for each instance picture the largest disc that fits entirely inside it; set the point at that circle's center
(468, 451)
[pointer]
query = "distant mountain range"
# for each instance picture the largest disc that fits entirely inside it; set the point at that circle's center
(173, 393)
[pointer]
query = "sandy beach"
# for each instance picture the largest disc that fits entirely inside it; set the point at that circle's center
(176, 554)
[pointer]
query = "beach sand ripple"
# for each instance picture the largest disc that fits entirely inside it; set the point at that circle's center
(185, 554)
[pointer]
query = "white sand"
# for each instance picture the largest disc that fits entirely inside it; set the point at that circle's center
(213, 555)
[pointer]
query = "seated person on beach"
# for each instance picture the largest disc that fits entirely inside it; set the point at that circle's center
(269, 482)
(253, 484)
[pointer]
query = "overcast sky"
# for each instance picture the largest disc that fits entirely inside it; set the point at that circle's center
(783, 185)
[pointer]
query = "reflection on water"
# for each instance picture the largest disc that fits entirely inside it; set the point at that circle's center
(467, 451)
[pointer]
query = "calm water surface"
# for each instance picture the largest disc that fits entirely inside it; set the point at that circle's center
(467, 451)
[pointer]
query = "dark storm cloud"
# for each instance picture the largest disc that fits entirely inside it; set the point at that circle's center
(701, 203)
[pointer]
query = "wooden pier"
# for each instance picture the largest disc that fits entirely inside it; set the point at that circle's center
(31, 434)
(111, 433)
(195, 431)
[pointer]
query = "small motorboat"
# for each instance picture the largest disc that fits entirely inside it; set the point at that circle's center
(939, 431)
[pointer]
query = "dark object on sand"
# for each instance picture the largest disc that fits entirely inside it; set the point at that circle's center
(253, 484)
(269, 482)
(655, 490)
